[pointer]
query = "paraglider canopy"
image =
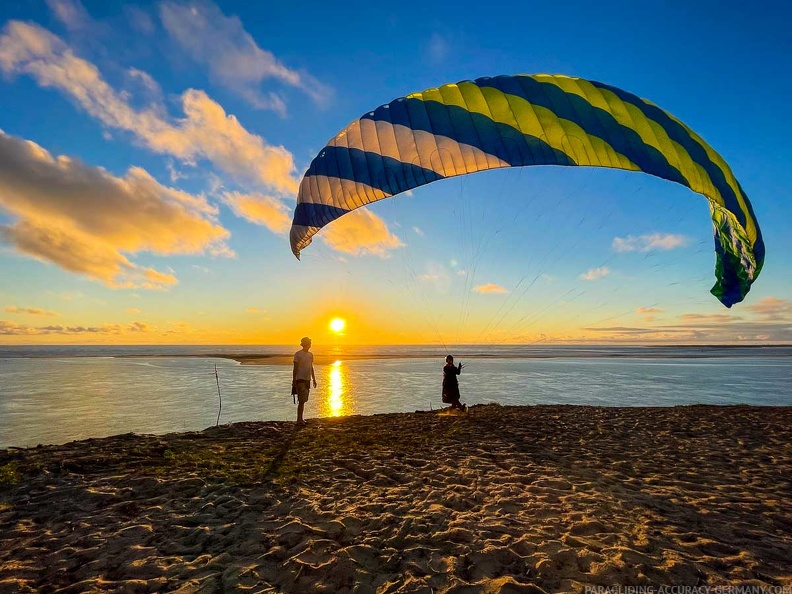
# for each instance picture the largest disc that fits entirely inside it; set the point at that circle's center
(508, 121)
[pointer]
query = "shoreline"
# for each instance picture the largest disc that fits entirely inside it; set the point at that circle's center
(327, 356)
(502, 499)
(321, 358)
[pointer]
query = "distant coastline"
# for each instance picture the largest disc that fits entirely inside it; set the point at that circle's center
(279, 355)
(327, 359)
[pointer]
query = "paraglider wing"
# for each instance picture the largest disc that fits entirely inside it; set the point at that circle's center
(508, 121)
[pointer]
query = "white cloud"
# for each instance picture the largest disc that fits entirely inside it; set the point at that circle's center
(71, 13)
(232, 56)
(649, 242)
(205, 132)
(419, 231)
(438, 48)
(147, 84)
(87, 221)
(139, 20)
(595, 273)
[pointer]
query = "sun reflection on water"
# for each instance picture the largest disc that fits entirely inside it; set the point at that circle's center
(335, 400)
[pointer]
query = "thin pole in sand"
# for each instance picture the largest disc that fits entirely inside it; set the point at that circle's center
(217, 379)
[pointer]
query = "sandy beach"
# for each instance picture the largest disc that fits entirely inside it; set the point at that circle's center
(501, 499)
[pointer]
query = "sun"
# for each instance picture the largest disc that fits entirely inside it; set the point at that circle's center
(337, 324)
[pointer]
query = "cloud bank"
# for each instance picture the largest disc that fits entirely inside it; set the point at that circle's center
(205, 132)
(86, 221)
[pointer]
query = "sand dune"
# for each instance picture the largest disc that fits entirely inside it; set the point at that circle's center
(502, 499)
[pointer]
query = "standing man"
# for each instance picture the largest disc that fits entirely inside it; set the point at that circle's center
(302, 375)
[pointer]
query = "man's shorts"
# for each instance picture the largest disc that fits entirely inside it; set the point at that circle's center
(303, 390)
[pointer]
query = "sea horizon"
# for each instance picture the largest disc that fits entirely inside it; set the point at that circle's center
(493, 349)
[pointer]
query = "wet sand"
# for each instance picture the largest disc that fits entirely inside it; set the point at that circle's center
(501, 499)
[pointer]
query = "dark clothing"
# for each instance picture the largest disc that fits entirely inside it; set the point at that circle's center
(301, 388)
(451, 385)
(451, 394)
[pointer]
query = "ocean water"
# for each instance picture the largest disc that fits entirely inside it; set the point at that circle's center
(59, 394)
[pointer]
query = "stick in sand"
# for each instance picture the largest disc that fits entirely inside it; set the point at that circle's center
(217, 378)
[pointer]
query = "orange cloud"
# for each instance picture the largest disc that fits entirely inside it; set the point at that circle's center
(771, 307)
(8, 328)
(360, 232)
(489, 288)
(262, 210)
(648, 312)
(87, 221)
(708, 317)
(179, 328)
(34, 311)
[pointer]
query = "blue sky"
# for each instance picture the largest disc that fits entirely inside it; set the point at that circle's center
(151, 152)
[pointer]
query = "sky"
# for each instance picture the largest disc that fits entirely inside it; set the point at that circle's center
(150, 155)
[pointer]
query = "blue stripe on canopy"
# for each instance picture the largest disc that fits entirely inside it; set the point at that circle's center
(499, 140)
(387, 174)
(681, 136)
(316, 215)
(593, 120)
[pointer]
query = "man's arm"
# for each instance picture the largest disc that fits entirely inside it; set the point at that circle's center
(313, 376)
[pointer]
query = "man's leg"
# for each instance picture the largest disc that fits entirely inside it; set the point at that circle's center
(302, 397)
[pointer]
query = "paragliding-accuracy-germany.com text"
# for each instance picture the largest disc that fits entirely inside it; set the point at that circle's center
(725, 589)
